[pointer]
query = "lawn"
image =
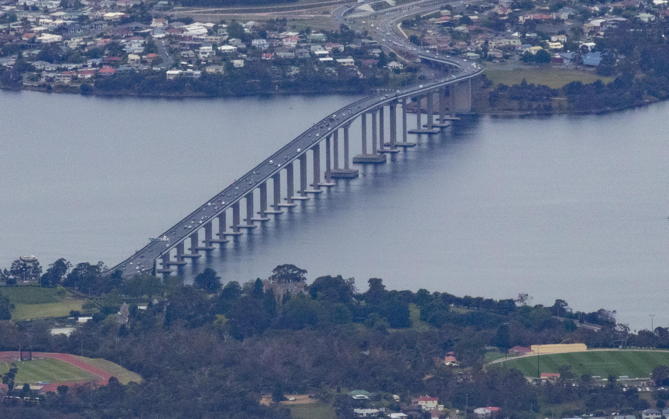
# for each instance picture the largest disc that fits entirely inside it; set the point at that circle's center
(39, 303)
(596, 363)
(548, 76)
(46, 370)
(312, 411)
(124, 376)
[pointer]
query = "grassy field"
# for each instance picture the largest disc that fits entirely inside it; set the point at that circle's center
(312, 411)
(45, 370)
(548, 76)
(601, 363)
(124, 376)
(40, 303)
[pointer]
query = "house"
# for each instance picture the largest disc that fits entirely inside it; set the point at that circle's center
(107, 71)
(427, 403)
(227, 49)
(368, 413)
(450, 360)
(519, 350)
(398, 415)
(260, 43)
(172, 74)
(347, 62)
(487, 412)
(592, 59)
(651, 414)
(360, 395)
(549, 376)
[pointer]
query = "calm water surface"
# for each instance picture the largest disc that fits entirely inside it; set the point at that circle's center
(561, 207)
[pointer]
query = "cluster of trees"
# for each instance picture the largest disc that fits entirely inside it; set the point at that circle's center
(257, 77)
(636, 54)
(224, 345)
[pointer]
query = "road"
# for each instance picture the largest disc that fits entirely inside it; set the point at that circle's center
(383, 27)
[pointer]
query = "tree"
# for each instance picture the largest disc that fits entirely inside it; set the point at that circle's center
(25, 269)
(376, 291)
(9, 377)
(333, 289)
(288, 273)
(5, 308)
(660, 375)
(208, 281)
(55, 273)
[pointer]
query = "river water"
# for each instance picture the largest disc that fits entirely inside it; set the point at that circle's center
(560, 207)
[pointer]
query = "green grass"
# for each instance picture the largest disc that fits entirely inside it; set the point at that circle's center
(312, 411)
(39, 303)
(33, 295)
(601, 363)
(548, 76)
(46, 370)
(124, 376)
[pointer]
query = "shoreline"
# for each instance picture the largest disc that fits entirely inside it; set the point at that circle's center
(313, 92)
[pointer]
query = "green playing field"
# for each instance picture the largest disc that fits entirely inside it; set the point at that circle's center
(597, 363)
(45, 370)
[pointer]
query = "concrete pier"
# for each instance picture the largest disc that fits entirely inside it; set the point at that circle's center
(304, 184)
(405, 127)
(328, 164)
(420, 128)
(346, 172)
(290, 187)
(391, 146)
(276, 188)
(221, 230)
(235, 221)
(262, 189)
(208, 237)
(193, 248)
(316, 174)
(374, 157)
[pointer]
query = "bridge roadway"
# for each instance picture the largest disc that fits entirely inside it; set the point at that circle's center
(385, 30)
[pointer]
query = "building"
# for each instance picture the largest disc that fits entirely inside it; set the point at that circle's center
(427, 403)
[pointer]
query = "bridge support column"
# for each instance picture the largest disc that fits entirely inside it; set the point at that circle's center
(365, 158)
(221, 229)
(301, 193)
(382, 134)
(290, 187)
(405, 127)
(346, 172)
(165, 264)
(335, 151)
(263, 203)
(236, 224)
(327, 182)
(276, 186)
(250, 212)
(461, 97)
(391, 145)
(180, 252)
(419, 123)
(316, 174)
(194, 241)
(442, 122)
(430, 110)
(208, 236)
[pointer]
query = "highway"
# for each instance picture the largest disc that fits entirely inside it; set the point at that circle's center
(382, 26)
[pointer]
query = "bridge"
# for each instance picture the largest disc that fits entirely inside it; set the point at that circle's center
(322, 152)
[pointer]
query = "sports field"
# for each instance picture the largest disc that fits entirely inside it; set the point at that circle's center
(38, 303)
(46, 371)
(628, 363)
(547, 76)
(58, 368)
